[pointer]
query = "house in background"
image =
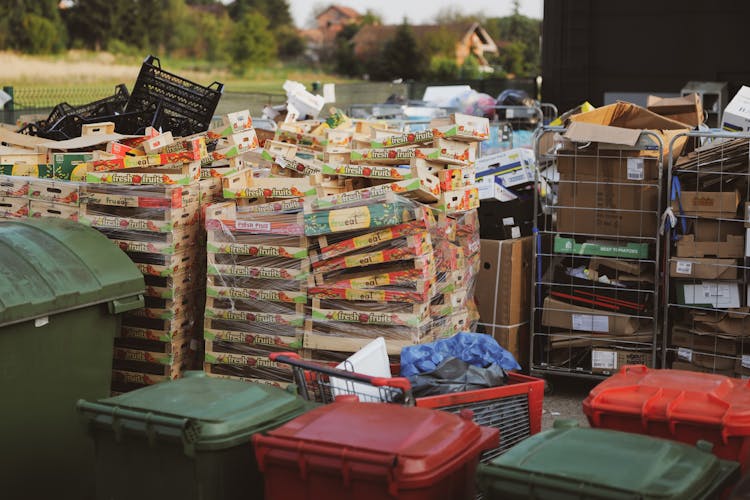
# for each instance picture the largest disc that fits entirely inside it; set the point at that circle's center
(328, 24)
(470, 38)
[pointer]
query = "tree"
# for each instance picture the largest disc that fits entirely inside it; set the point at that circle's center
(525, 33)
(401, 58)
(345, 61)
(31, 26)
(451, 15)
(252, 43)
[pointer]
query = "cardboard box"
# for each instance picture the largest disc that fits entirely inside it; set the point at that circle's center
(608, 361)
(707, 230)
(621, 124)
(716, 294)
(709, 269)
(687, 109)
(708, 204)
(733, 323)
(13, 207)
(706, 360)
(503, 283)
(733, 247)
(599, 164)
(624, 250)
(558, 314)
(46, 209)
(514, 339)
(608, 209)
(736, 116)
(690, 339)
(13, 187)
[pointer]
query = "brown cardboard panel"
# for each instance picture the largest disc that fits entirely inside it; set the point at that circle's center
(690, 367)
(514, 339)
(732, 247)
(684, 337)
(607, 166)
(716, 230)
(607, 209)
(711, 269)
(503, 282)
(558, 314)
(720, 205)
(609, 361)
(687, 109)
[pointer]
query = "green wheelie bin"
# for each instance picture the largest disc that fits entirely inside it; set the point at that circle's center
(188, 438)
(62, 289)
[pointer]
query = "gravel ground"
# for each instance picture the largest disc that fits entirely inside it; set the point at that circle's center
(565, 400)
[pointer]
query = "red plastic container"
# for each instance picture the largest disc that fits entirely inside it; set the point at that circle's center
(372, 451)
(675, 404)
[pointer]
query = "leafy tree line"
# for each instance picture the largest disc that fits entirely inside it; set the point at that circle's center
(432, 56)
(241, 33)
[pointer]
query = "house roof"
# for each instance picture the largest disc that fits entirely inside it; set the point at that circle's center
(345, 11)
(370, 37)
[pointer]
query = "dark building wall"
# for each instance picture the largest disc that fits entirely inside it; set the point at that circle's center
(590, 47)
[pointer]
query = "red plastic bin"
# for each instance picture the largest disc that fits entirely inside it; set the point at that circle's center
(372, 451)
(678, 405)
(515, 408)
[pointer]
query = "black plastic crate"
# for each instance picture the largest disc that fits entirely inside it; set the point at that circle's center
(186, 107)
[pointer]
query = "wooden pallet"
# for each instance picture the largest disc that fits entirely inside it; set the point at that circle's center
(183, 324)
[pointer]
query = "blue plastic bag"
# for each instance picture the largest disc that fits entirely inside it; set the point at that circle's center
(477, 349)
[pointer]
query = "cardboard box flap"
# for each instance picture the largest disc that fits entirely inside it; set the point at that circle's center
(675, 105)
(85, 141)
(627, 115)
(591, 132)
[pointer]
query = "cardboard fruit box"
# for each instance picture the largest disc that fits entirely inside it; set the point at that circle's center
(405, 248)
(222, 217)
(243, 185)
(256, 294)
(13, 207)
(461, 127)
(368, 171)
(180, 174)
(13, 187)
(399, 156)
(367, 195)
(362, 217)
(39, 209)
(329, 251)
(54, 192)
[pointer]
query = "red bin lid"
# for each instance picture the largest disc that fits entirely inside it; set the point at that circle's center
(674, 396)
(408, 444)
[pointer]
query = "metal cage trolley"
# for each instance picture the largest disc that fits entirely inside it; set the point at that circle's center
(515, 408)
(595, 299)
(707, 322)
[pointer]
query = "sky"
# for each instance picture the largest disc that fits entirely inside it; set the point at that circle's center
(417, 11)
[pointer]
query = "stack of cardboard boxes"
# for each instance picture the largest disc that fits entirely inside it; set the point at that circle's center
(706, 269)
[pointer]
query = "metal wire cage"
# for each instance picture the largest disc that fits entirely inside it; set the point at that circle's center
(514, 408)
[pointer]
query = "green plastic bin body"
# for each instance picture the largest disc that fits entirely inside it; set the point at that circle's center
(62, 287)
(188, 438)
(568, 463)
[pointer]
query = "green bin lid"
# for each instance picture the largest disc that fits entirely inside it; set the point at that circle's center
(54, 265)
(571, 462)
(207, 413)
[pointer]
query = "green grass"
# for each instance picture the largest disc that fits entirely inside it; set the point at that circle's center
(96, 70)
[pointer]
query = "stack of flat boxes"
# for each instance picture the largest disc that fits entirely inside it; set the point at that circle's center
(158, 228)
(256, 294)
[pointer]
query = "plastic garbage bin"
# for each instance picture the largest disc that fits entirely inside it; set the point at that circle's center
(62, 287)
(676, 404)
(569, 463)
(373, 451)
(186, 439)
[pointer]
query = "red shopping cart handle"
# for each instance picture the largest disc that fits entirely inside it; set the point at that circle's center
(293, 359)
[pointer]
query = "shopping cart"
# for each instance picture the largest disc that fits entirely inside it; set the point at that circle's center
(514, 408)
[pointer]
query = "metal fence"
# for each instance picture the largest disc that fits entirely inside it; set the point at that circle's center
(40, 100)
